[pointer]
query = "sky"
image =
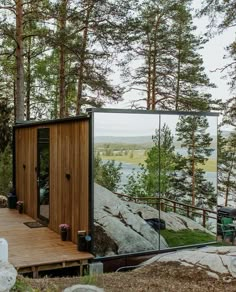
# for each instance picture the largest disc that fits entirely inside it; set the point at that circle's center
(132, 125)
(213, 56)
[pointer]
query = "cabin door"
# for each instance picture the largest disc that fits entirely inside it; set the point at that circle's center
(43, 174)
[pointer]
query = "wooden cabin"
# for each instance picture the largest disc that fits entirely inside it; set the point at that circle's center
(51, 172)
(54, 160)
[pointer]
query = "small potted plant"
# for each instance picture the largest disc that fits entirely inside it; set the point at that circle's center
(20, 206)
(64, 231)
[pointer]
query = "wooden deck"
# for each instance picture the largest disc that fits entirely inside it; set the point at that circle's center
(37, 249)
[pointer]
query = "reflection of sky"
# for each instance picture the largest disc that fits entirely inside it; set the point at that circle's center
(125, 124)
(171, 121)
(117, 124)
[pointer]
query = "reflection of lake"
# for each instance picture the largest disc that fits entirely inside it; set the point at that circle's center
(128, 168)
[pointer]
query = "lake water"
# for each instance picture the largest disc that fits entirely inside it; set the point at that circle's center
(127, 169)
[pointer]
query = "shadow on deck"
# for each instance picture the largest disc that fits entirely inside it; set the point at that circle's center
(37, 249)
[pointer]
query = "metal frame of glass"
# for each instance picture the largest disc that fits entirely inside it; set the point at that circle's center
(161, 114)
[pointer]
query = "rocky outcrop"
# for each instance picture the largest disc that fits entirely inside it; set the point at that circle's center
(119, 229)
(7, 276)
(173, 220)
(216, 261)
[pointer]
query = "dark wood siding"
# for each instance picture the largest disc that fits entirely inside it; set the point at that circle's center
(26, 176)
(69, 173)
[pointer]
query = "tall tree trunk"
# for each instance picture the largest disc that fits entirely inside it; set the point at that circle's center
(28, 81)
(228, 183)
(193, 169)
(154, 74)
(14, 97)
(83, 56)
(154, 63)
(19, 62)
(149, 74)
(178, 83)
(62, 81)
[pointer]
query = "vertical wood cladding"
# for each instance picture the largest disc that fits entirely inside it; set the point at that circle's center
(69, 173)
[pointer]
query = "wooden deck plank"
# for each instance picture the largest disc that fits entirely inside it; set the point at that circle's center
(34, 247)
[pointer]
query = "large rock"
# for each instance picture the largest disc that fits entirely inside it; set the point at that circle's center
(7, 276)
(216, 261)
(173, 220)
(119, 229)
(83, 288)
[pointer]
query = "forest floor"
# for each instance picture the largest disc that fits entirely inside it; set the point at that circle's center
(161, 277)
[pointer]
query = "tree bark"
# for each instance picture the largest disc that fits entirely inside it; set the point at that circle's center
(193, 168)
(62, 86)
(228, 183)
(28, 81)
(154, 74)
(19, 62)
(178, 83)
(154, 63)
(149, 74)
(149, 84)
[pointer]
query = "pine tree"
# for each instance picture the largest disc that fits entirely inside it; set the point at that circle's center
(170, 74)
(155, 174)
(18, 28)
(5, 125)
(187, 81)
(193, 136)
(20, 96)
(226, 166)
(222, 15)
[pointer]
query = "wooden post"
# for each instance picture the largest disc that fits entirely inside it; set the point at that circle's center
(204, 218)
(187, 211)
(157, 204)
(162, 206)
(174, 207)
(35, 272)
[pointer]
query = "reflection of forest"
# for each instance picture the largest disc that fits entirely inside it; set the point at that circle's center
(137, 153)
(124, 154)
(175, 173)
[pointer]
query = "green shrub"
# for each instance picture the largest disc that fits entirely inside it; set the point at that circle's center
(5, 170)
(21, 286)
(107, 174)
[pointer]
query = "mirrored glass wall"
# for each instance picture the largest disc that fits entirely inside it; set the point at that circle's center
(154, 181)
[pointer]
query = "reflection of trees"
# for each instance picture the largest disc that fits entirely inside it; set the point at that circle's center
(107, 174)
(190, 177)
(44, 161)
(175, 176)
(155, 174)
(226, 166)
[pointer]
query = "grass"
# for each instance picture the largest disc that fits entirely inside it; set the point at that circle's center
(95, 280)
(186, 237)
(139, 157)
(210, 165)
(21, 286)
(25, 284)
(47, 284)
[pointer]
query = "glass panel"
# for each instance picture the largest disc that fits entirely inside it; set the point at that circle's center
(155, 181)
(188, 179)
(126, 206)
(43, 173)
